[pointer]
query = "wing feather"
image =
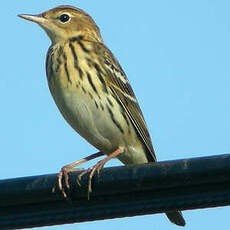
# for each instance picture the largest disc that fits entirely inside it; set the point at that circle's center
(119, 84)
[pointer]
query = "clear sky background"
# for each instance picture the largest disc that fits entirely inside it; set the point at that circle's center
(176, 55)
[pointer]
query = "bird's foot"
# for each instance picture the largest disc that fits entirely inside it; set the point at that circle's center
(63, 174)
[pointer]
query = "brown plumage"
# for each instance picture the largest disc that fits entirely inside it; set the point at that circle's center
(93, 93)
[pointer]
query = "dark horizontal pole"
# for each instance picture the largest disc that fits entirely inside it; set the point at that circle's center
(117, 192)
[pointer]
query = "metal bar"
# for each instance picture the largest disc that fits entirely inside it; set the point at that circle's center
(117, 192)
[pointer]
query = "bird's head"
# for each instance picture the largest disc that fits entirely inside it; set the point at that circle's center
(65, 22)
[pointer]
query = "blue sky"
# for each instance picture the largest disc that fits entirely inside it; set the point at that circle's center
(176, 55)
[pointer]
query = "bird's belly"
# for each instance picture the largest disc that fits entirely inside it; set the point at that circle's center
(90, 117)
(99, 119)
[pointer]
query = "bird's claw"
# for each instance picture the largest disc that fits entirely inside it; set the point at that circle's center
(64, 173)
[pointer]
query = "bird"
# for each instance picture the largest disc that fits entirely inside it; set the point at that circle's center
(93, 94)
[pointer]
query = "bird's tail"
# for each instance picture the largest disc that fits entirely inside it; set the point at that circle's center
(176, 217)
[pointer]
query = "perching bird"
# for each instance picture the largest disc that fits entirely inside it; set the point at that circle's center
(93, 93)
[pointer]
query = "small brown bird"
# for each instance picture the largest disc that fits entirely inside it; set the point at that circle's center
(93, 93)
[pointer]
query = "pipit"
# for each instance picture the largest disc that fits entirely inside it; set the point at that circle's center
(93, 93)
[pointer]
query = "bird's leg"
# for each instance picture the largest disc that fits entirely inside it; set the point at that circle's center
(70, 168)
(100, 164)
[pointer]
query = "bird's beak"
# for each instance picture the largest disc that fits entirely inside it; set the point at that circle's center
(34, 18)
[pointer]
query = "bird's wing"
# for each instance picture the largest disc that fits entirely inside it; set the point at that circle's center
(119, 84)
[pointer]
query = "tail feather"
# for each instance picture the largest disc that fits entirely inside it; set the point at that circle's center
(176, 217)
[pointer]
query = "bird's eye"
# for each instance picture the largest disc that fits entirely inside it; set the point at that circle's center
(64, 18)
